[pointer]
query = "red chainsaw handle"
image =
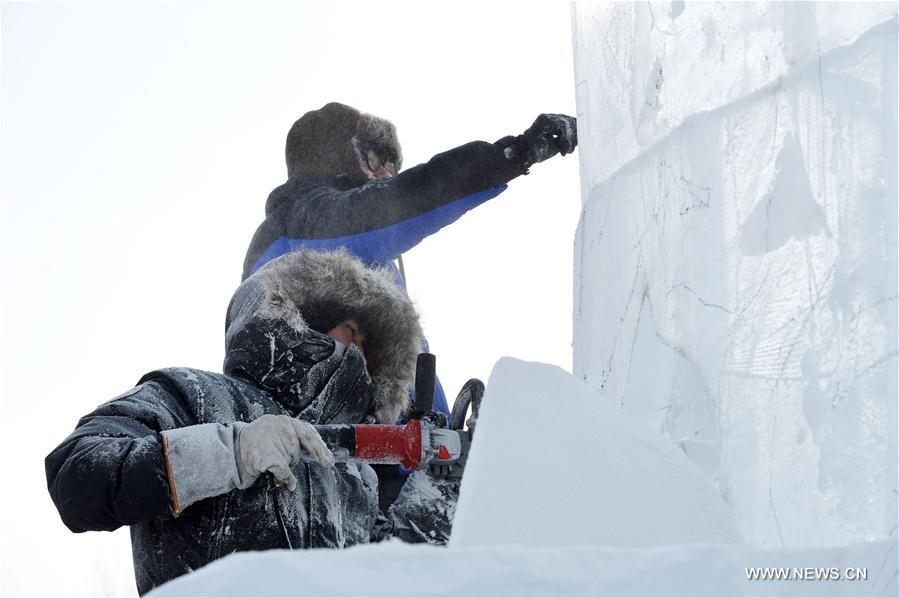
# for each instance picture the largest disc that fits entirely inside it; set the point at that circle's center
(379, 443)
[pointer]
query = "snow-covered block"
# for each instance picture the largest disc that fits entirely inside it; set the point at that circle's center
(736, 260)
(554, 463)
(396, 569)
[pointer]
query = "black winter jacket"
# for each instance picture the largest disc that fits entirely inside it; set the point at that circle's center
(111, 470)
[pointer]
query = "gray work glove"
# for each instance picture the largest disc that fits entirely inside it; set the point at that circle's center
(206, 460)
(274, 443)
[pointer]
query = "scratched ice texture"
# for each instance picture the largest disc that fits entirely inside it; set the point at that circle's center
(736, 258)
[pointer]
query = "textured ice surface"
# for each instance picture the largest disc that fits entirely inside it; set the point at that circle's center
(736, 260)
(644, 68)
(553, 463)
(397, 569)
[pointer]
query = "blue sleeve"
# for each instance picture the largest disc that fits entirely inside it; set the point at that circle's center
(384, 244)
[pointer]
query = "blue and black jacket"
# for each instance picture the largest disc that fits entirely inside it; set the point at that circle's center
(380, 220)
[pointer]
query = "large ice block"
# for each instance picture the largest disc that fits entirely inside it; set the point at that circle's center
(553, 463)
(736, 259)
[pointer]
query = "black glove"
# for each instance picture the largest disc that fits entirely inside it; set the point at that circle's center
(423, 511)
(435, 418)
(550, 134)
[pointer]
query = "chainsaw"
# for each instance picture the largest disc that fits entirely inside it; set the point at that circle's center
(427, 441)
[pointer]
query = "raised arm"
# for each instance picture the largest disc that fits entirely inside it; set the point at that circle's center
(382, 219)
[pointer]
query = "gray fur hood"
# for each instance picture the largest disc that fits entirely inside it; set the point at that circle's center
(328, 142)
(280, 300)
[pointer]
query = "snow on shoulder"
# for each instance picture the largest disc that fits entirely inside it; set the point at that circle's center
(555, 463)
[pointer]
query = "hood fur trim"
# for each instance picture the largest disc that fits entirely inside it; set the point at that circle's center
(330, 142)
(300, 281)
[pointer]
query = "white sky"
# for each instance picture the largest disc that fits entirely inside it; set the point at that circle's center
(139, 143)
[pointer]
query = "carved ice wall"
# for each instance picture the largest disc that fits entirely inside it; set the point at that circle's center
(736, 259)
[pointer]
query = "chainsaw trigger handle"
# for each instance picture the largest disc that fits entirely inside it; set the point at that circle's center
(425, 377)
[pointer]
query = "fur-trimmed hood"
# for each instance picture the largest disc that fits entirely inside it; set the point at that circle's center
(328, 142)
(291, 290)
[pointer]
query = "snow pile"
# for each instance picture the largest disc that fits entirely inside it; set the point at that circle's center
(553, 463)
(736, 260)
(397, 569)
